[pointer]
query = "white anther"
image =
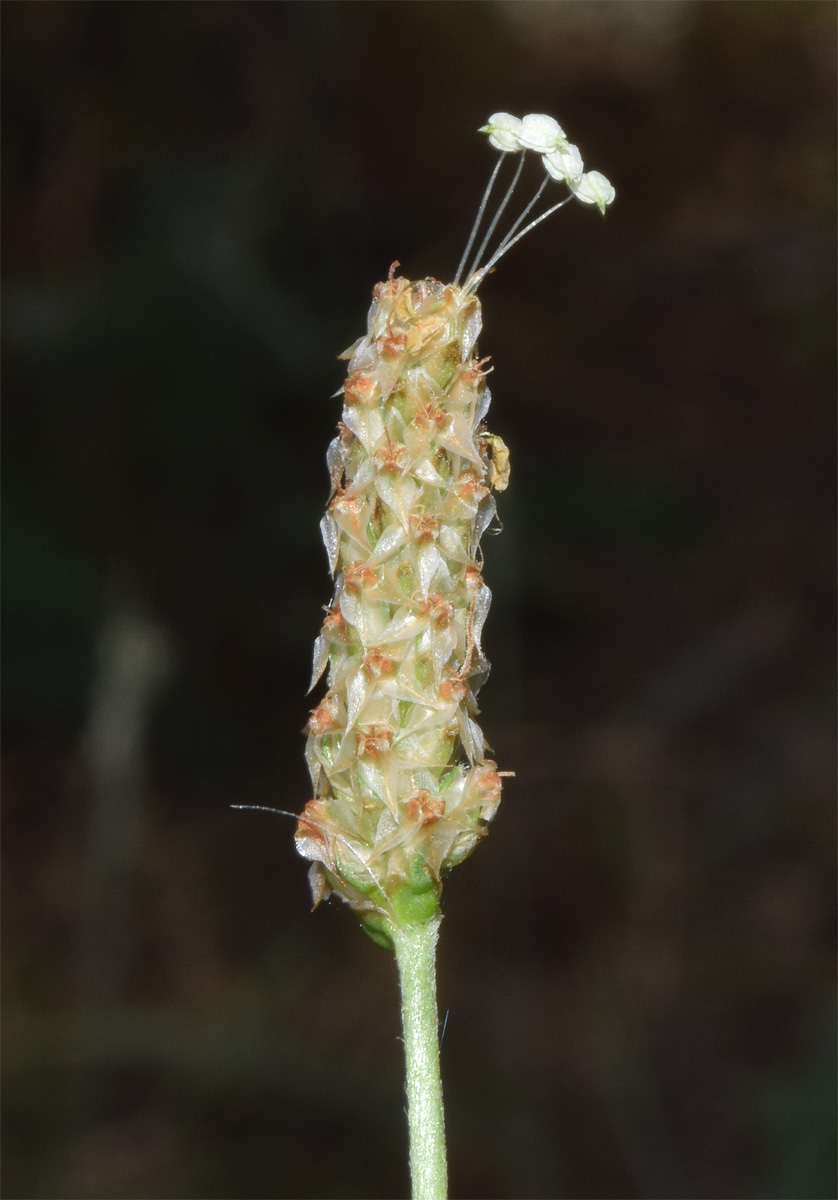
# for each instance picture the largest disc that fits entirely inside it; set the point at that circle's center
(504, 132)
(564, 164)
(594, 188)
(562, 161)
(541, 133)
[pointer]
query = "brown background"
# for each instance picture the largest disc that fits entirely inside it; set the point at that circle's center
(639, 962)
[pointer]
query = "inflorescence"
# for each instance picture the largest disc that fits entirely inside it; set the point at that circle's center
(403, 789)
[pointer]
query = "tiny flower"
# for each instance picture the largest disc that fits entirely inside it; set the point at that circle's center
(424, 807)
(359, 388)
(594, 188)
(429, 414)
(438, 609)
(357, 576)
(453, 688)
(373, 740)
(334, 626)
(474, 371)
(504, 132)
(393, 343)
(424, 528)
(470, 487)
(564, 164)
(377, 664)
(541, 133)
(391, 457)
(324, 717)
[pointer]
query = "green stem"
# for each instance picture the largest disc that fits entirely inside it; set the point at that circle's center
(415, 948)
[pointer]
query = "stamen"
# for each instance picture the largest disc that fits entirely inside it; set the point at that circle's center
(477, 278)
(524, 214)
(497, 217)
(478, 218)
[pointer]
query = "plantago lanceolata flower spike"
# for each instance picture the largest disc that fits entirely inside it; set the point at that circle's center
(402, 789)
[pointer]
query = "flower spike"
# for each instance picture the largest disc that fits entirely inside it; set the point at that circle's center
(402, 786)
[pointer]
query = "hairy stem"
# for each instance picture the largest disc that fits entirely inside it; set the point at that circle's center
(415, 948)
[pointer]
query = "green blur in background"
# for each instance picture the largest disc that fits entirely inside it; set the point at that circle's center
(639, 962)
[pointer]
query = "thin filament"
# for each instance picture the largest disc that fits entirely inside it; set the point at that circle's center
(505, 240)
(481, 210)
(497, 216)
(477, 279)
(280, 812)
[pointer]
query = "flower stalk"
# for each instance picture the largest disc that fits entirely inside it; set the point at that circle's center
(415, 949)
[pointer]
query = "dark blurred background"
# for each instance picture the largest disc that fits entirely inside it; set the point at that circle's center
(639, 963)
